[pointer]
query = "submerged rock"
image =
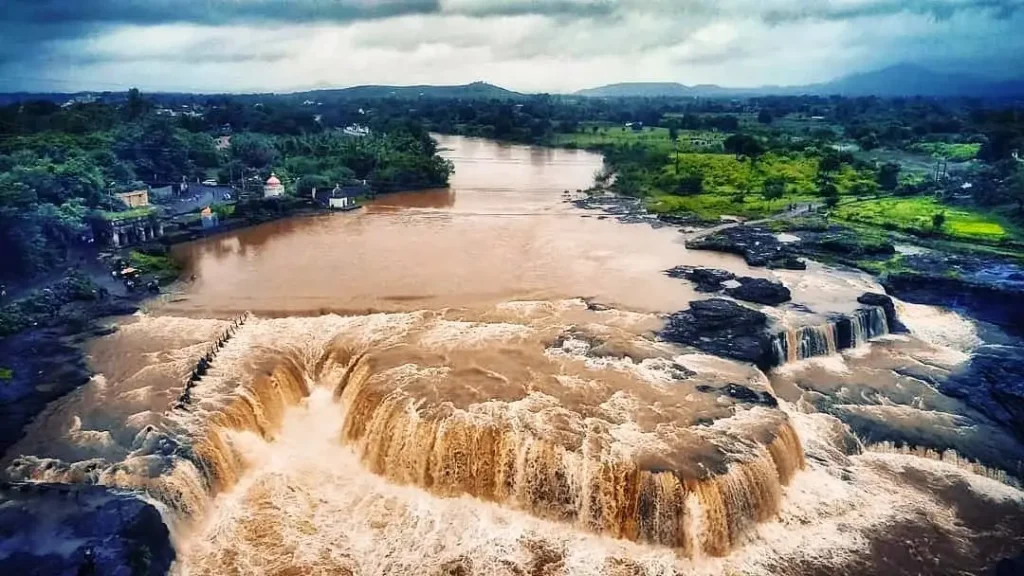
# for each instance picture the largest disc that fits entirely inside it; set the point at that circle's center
(69, 530)
(723, 328)
(760, 290)
(743, 394)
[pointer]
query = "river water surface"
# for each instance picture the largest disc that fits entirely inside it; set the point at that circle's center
(425, 387)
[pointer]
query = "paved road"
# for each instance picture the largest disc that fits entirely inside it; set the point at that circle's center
(205, 195)
(800, 209)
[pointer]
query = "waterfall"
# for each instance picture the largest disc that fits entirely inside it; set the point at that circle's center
(491, 456)
(468, 409)
(839, 333)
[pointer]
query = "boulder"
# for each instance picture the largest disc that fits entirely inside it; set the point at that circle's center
(760, 290)
(723, 328)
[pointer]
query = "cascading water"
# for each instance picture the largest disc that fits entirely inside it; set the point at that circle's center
(840, 333)
(629, 449)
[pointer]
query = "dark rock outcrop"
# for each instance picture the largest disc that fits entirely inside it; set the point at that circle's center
(706, 279)
(64, 529)
(992, 382)
(723, 328)
(758, 246)
(43, 363)
(760, 290)
(984, 297)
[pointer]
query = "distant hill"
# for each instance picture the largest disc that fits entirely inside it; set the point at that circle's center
(910, 80)
(641, 89)
(476, 90)
(898, 80)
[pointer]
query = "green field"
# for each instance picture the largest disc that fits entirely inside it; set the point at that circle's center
(951, 152)
(915, 214)
(654, 137)
(726, 179)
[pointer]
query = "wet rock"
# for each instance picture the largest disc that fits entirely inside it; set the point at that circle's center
(965, 285)
(992, 382)
(706, 279)
(758, 246)
(723, 328)
(596, 306)
(884, 302)
(65, 529)
(42, 367)
(743, 394)
(760, 290)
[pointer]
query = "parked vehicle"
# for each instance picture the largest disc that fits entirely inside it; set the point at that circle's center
(209, 182)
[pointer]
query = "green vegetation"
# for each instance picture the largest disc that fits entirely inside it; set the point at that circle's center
(45, 303)
(160, 266)
(126, 214)
(6, 374)
(919, 215)
(61, 166)
(951, 152)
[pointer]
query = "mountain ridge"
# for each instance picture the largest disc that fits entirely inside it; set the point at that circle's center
(896, 80)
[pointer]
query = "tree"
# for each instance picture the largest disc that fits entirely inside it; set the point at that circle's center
(743, 145)
(1016, 190)
(764, 116)
(136, 105)
(889, 176)
(774, 188)
(829, 163)
(690, 185)
(673, 135)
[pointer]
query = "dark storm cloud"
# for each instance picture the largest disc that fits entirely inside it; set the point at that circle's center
(26, 26)
(937, 9)
(210, 12)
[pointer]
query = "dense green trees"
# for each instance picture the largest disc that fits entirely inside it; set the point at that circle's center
(60, 165)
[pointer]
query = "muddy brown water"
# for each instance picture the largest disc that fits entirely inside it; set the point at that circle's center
(423, 390)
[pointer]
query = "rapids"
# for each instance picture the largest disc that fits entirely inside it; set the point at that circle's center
(428, 387)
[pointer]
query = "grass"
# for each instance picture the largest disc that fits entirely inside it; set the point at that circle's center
(726, 179)
(6, 374)
(952, 152)
(162, 267)
(712, 206)
(914, 215)
(126, 214)
(654, 137)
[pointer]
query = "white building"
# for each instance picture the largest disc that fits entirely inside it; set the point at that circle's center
(356, 130)
(273, 188)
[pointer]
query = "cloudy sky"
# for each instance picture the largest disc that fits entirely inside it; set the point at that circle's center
(526, 45)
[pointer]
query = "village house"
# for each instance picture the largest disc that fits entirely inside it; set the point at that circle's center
(134, 199)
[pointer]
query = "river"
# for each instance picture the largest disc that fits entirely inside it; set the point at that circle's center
(426, 386)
